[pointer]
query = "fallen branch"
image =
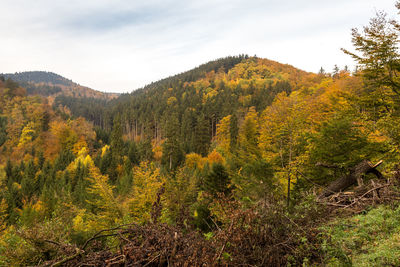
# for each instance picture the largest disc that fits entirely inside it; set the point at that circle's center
(366, 193)
(59, 263)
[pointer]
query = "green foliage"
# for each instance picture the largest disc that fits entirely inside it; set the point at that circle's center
(172, 150)
(379, 58)
(217, 181)
(3, 132)
(202, 136)
(339, 142)
(64, 159)
(370, 239)
(236, 135)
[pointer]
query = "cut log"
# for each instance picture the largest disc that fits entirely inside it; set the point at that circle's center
(350, 179)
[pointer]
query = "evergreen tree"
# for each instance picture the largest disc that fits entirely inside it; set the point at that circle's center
(202, 136)
(234, 131)
(217, 180)
(133, 153)
(116, 142)
(172, 152)
(28, 183)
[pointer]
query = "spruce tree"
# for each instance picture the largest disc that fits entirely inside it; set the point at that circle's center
(202, 136)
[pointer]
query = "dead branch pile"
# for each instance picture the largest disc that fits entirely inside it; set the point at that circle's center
(264, 235)
(375, 191)
(142, 245)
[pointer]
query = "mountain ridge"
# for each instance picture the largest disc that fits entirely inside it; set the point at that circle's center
(50, 84)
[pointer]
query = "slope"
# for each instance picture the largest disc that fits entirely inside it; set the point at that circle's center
(50, 84)
(203, 95)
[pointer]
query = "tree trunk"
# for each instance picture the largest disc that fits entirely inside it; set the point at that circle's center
(350, 179)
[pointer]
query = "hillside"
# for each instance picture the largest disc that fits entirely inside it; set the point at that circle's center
(51, 85)
(242, 161)
(213, 90)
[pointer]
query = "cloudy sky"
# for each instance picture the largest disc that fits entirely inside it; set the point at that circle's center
(121, 45)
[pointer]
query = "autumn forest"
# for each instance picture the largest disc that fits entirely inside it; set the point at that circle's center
(242, 161)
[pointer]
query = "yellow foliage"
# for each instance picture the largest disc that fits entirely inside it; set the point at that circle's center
(147, 182)
(172, 101)
(157, 151)
(223, 134)
(27, 134)
(65, 135)
(104, 150)
(215, 157)
(82, 158)
(109, 208)
(39, 207)
(210, 93)
(248, 135)
(77, 223)
(194, 160)
(78, 146)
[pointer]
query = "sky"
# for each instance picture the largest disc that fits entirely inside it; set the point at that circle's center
(122, 45)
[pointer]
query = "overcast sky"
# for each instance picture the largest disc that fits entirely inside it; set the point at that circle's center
(119, 46)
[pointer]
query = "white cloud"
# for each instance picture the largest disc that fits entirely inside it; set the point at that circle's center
(122, 45)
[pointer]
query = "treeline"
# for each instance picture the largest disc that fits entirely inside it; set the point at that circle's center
(38, 77)
(50, 85)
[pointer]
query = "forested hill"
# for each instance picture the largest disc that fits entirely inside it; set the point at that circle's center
(191, 104)
(50, 84)
(241, 161)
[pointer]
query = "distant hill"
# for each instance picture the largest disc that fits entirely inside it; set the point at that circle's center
(203, 95)
(51, 85)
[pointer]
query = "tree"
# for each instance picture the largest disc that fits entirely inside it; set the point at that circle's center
(107, 208)
(249, 135)
(321, 72)
(378, 57)
(202, 136)
(224, 134)
(147, 182)
(217, 180)
(335, 73)
(116, 142)
(340, 143)
(233, 131)
(280, 135)
(116, 150)
(172, 151)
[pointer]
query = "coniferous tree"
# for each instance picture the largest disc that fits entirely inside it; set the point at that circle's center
(202, 136)
(217, 180)
(172, 152)
(234, 131)
(116, 149)
(28, 183)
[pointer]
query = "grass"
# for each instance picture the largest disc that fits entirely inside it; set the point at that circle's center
(371, 239)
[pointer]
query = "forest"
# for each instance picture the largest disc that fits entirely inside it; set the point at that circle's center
(242, 161)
